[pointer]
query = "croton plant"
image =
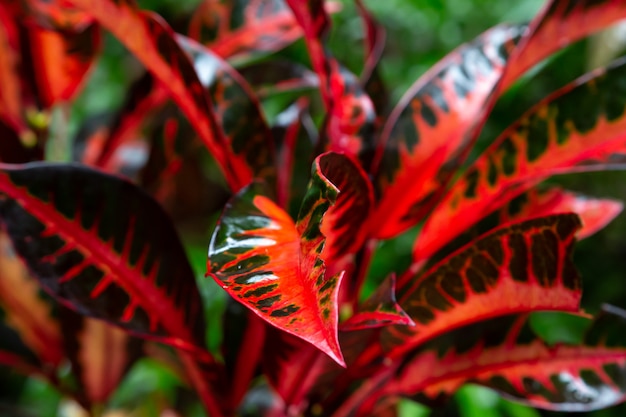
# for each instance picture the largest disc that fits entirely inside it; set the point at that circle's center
(292, 206)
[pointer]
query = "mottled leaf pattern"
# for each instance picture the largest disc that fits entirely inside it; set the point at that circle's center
(343, 223)
(91, 241)
(522, 267)
(273, 266)
(594, 213)
(506, 355)
(428, 128)
(579, 128)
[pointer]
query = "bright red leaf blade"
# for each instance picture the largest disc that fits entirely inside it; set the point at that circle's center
(91, 241)
(579, 128)
(273, 265)
(507, 356)
(428, 128)
(517, 268)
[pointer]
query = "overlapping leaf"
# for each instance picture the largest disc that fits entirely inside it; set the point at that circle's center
(350, 112)
(582, 127)
(431, 129)
(268, 26)
(429, 126)
(594, 213)
(25, 310)
(152, 42)
(91, 241)
(507, 356)
(521, 267)
(100, 355)
(273, 266)
(380, 309)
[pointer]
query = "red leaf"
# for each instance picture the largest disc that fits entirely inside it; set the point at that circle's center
(350, 112)
(152, 42)
(560, 23)
(343, 223)
(519, 365)
(273, 266)
(577, 129)
(521, 267)
(429, 128)
(90, 240)
(594, 213)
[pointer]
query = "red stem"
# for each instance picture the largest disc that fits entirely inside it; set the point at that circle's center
(200, 384)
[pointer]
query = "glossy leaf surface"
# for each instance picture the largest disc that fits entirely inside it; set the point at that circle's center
(91, 241)
(521, 267)
(507, 356)
(580, 128)
(273, 265)
(236, 109)
(430, 124)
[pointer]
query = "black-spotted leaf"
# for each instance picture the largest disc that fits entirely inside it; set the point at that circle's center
(273, 266)
(506, 355)
(579, 128)
(520, 267)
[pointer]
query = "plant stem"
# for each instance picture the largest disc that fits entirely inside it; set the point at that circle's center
(363, 266)
(200, 384)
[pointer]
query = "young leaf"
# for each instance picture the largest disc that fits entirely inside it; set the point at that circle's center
(343, 223)
(521, 267)
(350, 112)
(91, 241)
(579, 128)
(505, 355)
(429, 127)
(273, 266)
(380, 309)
